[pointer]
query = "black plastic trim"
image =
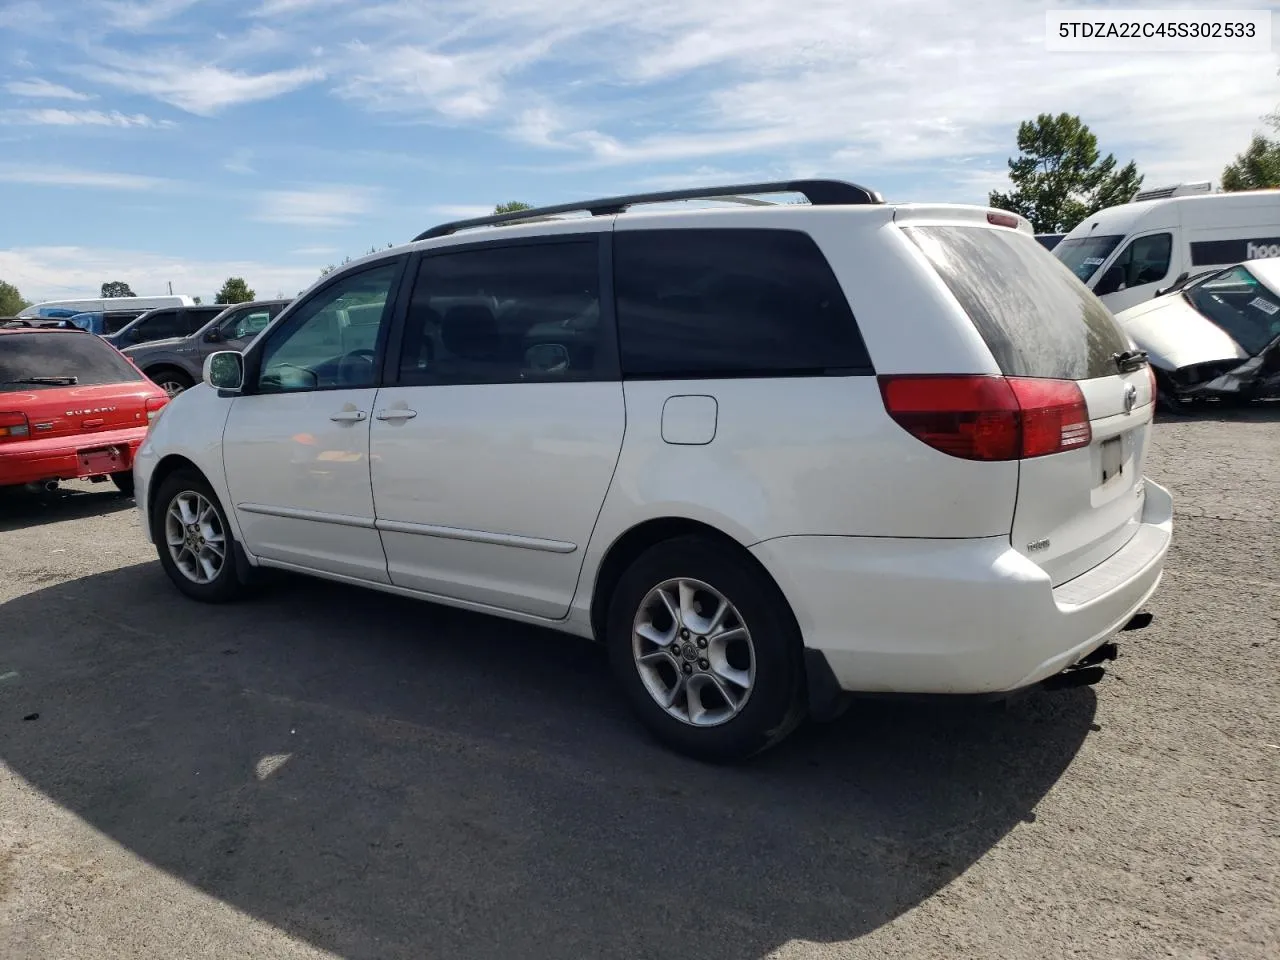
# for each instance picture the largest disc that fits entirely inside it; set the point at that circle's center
(826, 700)
(820, 193)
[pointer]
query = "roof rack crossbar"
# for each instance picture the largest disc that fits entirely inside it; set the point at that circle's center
(819, 193)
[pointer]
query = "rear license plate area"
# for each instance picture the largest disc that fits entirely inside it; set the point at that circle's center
(1112, 456)
(104, 460)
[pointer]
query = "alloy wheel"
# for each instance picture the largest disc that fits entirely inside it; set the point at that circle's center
(694, 652)
(195, 537)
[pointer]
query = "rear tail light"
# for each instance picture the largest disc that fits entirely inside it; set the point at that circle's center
(14, 426)
(989, 418)
(154, 406)
(1151, 375)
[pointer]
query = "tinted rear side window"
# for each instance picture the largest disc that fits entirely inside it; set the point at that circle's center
(1037, 319)
(91, 360)
(195, 319)
(731, 303)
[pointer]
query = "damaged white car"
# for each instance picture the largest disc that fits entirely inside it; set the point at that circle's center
(1217, 336)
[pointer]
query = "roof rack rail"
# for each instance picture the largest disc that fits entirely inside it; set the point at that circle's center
(820, 193)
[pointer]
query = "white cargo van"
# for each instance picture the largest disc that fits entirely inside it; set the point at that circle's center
(136, 305)
(1128, 253)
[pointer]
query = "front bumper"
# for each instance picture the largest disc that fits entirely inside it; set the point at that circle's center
(915, 616)
(59, 458)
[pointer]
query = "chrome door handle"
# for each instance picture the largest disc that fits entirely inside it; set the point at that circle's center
(399, 413)
(349, 416)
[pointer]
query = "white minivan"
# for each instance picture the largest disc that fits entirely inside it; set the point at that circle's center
(1127, 254)
(768, 456)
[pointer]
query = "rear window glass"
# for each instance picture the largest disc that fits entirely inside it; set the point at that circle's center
(731, 303)
(1037, 319)
(47, 358)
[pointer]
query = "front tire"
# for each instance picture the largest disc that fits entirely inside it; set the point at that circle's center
(193, 539)
(707, 650)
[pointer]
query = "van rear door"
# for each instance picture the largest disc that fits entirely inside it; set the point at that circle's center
(1077, 507)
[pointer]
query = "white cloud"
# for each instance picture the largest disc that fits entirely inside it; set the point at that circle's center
(53, 176)
(240, 161)
(38, 88)
(461, 211)
(53, 272)
(27, 14)
(317, 207)
(78, 118)
(314, 252)
(275, 8)
(826, 86)
(200, 88)
(137, 15)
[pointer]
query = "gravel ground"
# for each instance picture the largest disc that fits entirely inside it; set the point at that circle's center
(328, 772)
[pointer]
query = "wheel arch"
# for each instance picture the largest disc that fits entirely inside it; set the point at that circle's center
(167, 467)
(634, 541)
(151, 370)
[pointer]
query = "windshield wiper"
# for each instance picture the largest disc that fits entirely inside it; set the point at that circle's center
(1130, 360)
(51, 381)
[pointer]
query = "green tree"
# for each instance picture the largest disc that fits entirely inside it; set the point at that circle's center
(11, 301)
(116, 288)
(196, 301)
(235, 290)
(1258, 168)
(515, 206)
(1059, 178)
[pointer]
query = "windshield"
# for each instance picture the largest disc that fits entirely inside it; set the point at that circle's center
(1240, 304)
(33, 361)
(1085, 255)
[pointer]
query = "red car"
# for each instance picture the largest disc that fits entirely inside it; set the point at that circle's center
(71, 406)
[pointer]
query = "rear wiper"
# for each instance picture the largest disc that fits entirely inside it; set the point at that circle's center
(1130, 360)
(52, 381)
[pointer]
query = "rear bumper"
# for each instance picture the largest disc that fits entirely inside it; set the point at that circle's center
(58, 458)
(914, 616)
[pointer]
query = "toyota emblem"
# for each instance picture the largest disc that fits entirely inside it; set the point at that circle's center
(1130, 397)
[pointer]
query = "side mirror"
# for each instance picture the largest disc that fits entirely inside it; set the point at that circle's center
(224, 370)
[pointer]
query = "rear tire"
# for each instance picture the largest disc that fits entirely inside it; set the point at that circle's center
(171, 380)
(193, 539)
(715, 692)
(124, 482)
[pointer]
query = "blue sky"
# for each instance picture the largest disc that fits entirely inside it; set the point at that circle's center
(186, 140)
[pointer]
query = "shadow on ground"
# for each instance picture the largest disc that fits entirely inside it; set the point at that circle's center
(387, 779)
(19, 509)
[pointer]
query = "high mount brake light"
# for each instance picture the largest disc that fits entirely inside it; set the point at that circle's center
(989, 418)
(1003, 220)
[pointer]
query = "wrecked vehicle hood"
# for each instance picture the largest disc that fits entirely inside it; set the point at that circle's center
(1175, 334)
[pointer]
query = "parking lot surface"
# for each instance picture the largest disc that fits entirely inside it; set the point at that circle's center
(329, 772)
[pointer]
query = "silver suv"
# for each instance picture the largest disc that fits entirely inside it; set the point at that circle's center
(175, 364)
